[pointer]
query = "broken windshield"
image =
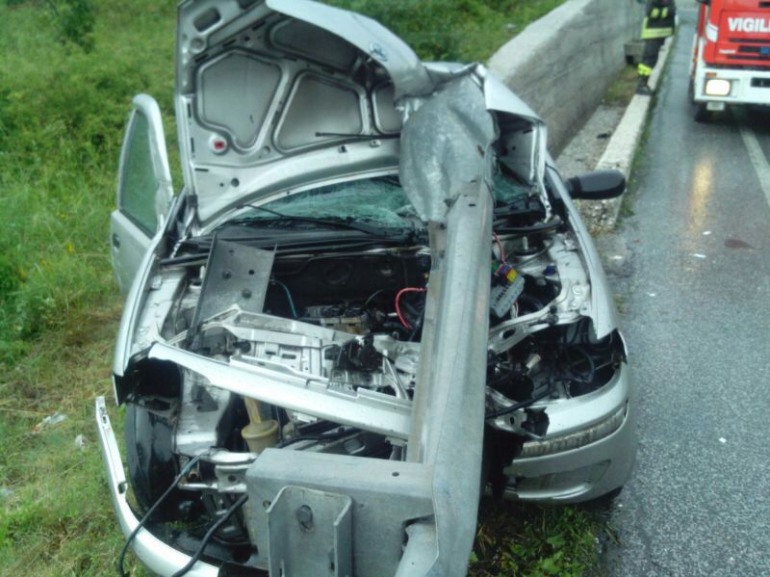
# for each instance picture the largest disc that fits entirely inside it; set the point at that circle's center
(377, 201)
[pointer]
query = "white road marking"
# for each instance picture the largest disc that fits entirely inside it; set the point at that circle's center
(757, 157)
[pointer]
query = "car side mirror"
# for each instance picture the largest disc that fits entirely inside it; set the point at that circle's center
(597, 185)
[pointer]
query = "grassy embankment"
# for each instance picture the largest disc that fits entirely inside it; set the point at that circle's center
(65, 91)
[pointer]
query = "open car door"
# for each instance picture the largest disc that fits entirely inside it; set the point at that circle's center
(144, 190)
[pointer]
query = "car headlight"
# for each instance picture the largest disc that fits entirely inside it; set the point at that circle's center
(717, 87)
(576, 440)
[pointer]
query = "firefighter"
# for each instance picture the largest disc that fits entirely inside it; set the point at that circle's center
(659, 22)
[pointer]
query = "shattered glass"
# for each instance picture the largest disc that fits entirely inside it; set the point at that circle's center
(379, 201)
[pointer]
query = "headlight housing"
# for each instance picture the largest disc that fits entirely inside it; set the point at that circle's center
(717, 87)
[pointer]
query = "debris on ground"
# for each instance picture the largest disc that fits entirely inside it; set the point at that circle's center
(49, 421)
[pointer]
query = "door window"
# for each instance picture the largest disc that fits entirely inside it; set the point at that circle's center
(139, 184)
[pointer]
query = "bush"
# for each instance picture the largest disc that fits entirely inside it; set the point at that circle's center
(75, 20)
(62, 115)
(9, 276)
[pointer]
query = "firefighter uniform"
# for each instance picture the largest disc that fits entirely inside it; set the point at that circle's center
(659, 22)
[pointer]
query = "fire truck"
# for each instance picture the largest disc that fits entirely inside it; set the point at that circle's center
(731, 55)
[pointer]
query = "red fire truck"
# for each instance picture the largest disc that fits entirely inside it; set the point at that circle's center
(731, 55)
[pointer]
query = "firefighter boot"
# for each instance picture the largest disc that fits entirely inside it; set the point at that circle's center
(643, 86)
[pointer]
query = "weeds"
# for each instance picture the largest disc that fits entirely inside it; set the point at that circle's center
(516, 540)
(55, 517)
(62, 112)
(623, 88)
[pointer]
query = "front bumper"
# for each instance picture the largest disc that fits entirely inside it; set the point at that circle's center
(747, 87)
(589, 451)
(159, 557)
(581, 474)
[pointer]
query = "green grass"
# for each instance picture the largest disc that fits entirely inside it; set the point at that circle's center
(515, 540)
(622, 88)
(62, 112)
(55, 518)
(63, 106)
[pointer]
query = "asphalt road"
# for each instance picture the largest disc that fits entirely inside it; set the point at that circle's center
(695, 296)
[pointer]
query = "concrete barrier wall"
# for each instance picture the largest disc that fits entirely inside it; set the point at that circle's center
(562, 64)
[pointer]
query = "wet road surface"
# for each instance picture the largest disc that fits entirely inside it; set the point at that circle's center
(696, 315)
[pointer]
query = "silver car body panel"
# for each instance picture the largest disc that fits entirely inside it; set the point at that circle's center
(602, 310)
(575, 461)
(130, 237)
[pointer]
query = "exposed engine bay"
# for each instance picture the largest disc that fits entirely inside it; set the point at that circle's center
(327, 329)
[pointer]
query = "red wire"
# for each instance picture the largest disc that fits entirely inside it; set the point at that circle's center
(398, 308)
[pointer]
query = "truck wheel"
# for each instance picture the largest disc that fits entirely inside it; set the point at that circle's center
(701, 114)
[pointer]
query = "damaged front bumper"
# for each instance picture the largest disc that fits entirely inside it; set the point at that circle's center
(158, 556)
(589, 450)
(299, 518)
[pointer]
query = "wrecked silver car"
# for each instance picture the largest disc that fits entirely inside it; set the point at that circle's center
(371, 302)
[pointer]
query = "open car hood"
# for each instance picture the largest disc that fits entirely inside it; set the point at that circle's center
(276, 95)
